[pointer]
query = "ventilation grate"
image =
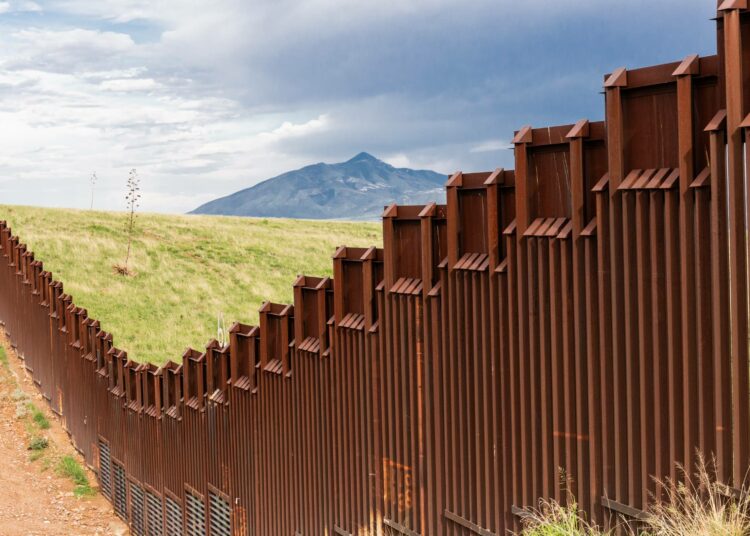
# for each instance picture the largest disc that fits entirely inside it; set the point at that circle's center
(174, 518)
(121, 499)
(220, 516)
(105, 471)
(195, 516)
(136, 510)
(154, 515)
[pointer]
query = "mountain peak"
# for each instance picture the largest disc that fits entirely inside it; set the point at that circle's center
(364, 157)
(356, 189)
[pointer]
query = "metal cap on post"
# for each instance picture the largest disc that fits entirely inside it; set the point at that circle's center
(451, 194)
(732, 5)
(66, 300)
(372, 274)
(132, 385)
(103, 346)
(475, 214)
(348, 284)
(613, 99)
(151, 380)
(91, 331)
(276, 333)
(433, 230)
(312, 312)
(244, 355)
(576, 135)
(217, 371)
(116, 359)
(36, 268)
(403, 243)
(172, 383)
(194, 378)
(523, 188)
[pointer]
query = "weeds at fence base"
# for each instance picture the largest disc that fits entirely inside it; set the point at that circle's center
(42, 450)
(699, 504)
(38, 444)
(551, 518)
(69, 467)
(696, 504)
(39, 418)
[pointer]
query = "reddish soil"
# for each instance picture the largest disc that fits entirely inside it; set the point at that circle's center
(34, 499)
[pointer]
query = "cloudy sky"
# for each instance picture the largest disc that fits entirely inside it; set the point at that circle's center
(207, 97)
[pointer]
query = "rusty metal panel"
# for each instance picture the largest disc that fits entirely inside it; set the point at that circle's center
(219, 476)
(564, 328)
(356, 433)
(313, 365)
(244, 362)
(274, 450)
(194, 425)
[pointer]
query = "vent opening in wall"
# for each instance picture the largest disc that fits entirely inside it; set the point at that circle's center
(136, 510)
(220, 516)
(105, 471)
(174, 518)
(195, 516)
(121, 499)
(154, 515)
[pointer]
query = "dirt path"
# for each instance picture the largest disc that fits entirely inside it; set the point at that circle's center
(35, 498)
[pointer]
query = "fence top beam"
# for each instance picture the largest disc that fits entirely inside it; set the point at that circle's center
(731, 5)
(718, 122)
(402, 212)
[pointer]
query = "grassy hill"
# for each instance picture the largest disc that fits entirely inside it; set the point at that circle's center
(188, 269)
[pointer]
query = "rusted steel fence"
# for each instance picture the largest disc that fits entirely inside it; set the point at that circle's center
(575, 326)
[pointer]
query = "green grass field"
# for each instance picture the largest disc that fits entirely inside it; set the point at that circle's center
(188, 269)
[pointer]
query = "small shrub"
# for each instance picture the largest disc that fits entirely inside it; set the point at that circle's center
(19, 395)
(699, 504)
(3, 357)
(38, 443)
(69, 467)
(22, 410)
(39, 418)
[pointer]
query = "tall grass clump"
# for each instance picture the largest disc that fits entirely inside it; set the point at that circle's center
(69, 467)
(551, 518)
(699, 504)
(39, 418)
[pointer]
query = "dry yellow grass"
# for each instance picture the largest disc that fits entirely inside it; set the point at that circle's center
(188, 269)
(697, 504)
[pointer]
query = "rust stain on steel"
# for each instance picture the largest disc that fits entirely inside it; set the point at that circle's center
(562, 327)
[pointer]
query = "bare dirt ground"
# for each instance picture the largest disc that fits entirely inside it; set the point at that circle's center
(35, 499)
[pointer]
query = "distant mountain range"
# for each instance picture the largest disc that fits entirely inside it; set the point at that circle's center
(357, 189)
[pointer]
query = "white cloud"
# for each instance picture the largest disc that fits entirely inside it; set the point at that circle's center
(206, 99)
(19, 6)
(42, 40)
(399, 160)
(292, 130)
(129, 84)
